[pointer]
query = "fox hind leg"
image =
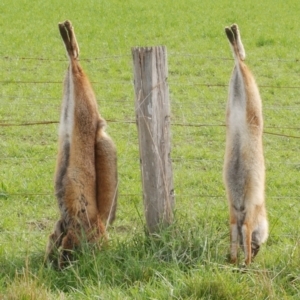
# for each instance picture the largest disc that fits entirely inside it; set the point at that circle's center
(247, 241)
(234, 237)
(68, 35)
(239, 44)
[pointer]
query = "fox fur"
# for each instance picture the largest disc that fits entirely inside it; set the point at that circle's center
(86, 169)
(244, 169)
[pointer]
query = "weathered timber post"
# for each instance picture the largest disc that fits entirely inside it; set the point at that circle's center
(153, 121)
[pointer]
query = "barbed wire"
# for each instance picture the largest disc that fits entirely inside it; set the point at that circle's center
(61, 82)
(173, 159)
(9, 124)
(61, 59)
(193, 55)
(129, 82)
(221, 85)
(7, 194)
(171, 53)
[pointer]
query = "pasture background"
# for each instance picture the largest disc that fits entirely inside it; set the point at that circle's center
(188, 261)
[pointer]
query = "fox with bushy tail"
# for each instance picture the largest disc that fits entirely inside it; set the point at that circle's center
(86, 169)
(244, 169)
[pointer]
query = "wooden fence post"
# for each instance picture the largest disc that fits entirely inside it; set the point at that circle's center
(152, 109)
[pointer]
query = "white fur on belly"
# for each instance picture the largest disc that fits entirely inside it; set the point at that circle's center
(66, 123)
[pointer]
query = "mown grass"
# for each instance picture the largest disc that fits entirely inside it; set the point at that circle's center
(189, 259)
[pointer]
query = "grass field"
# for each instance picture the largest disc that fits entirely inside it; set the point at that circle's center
(188, 260)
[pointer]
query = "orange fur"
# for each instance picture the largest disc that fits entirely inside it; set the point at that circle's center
(86, 169)
(244, 171)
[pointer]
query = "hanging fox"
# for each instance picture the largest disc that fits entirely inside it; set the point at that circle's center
(86, 168)
(244, 169)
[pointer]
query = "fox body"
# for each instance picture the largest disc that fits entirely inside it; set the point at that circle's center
(244, 170)
(86, 169)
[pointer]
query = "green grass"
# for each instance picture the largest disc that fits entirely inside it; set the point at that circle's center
(189, 259)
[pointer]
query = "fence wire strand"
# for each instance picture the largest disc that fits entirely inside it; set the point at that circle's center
(20, 124)
(12, 123)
